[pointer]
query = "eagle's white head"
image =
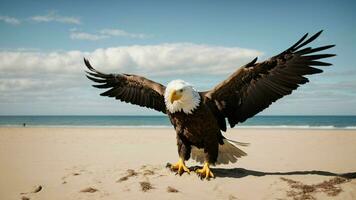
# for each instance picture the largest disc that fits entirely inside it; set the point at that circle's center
(181, 96)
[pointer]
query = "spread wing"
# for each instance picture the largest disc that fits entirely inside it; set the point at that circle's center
(129, 88)
(255, 86)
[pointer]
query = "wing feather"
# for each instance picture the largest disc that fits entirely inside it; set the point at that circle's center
(255, 86)
(129, 88)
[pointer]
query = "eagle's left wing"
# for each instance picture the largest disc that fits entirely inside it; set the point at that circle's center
(255, 86)
(129, 88)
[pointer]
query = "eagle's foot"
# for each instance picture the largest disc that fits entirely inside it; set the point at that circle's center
(205, 172)
(180, 167)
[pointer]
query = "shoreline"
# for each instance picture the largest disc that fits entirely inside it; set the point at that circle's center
(257, 122)
(278, 127)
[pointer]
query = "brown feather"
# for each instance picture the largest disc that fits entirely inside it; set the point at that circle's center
(129, 88)
(255, 86)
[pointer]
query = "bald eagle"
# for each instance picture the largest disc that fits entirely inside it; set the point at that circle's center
(199, 117)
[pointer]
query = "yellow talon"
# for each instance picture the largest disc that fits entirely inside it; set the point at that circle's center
(205, 172)
(180, 167)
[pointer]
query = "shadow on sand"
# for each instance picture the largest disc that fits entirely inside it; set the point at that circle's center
(241, 172)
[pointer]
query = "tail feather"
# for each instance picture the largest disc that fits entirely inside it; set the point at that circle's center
(228, 152)
(243, 144)
(197, 154)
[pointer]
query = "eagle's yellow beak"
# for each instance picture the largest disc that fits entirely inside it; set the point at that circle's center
(174, 96)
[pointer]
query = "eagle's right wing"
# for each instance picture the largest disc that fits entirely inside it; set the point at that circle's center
(255, 86)
(129, 88)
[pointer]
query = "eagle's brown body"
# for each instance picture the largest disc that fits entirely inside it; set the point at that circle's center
(200, 130)
(248, 91)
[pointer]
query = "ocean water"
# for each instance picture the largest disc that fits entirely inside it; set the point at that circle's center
(303, 122)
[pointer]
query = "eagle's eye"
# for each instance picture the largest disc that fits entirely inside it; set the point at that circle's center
(181, 90)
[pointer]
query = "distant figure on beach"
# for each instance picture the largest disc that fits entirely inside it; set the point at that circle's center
(199, 117)
(24, 124)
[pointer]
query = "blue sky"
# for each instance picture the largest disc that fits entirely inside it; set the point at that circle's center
(42, 44)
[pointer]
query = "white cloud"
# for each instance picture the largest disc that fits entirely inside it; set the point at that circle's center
(103, 34)
(10, 20)
(55, 81)
(30, 78)
(122, 33)
(53, 17)
(154, 60)
(86, 36)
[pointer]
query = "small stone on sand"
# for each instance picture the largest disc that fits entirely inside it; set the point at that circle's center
(89, 189)
(34, 190)
(124, 178)
(171, 189)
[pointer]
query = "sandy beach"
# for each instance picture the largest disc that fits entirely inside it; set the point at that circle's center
(117, 163)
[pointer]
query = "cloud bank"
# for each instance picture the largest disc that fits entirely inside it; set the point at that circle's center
(153, 60)
(30, 80)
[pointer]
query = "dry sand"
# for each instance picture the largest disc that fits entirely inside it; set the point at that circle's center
(108, 163)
